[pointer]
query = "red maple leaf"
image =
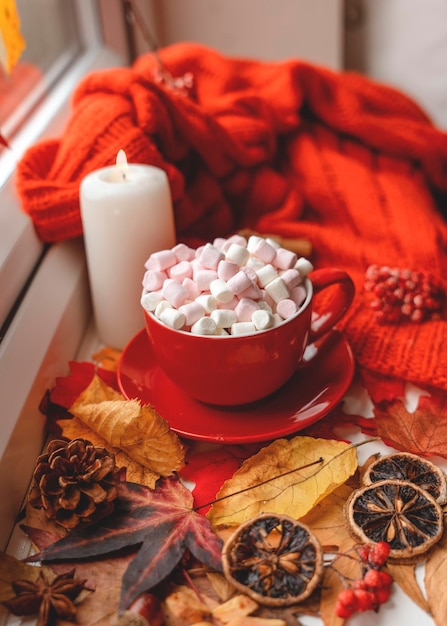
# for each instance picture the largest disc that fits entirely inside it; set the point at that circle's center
(161, 524)
(68, 388)
(209, 470)
(422, 432)
(382, 388)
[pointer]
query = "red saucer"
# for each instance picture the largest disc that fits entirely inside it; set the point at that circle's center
(316, 387)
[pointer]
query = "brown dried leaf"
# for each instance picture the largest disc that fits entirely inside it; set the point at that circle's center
(405, 576)
(424, 431)
(137, 430)
(135, 472)
(292, 494)
(435, 576)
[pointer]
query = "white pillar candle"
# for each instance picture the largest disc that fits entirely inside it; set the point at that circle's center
(127, 215)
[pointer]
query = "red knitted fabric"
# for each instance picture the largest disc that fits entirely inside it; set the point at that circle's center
(277, 147)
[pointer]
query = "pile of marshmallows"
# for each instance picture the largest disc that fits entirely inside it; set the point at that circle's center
(233, 286)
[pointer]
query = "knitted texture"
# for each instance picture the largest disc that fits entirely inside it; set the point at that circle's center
(285, 147)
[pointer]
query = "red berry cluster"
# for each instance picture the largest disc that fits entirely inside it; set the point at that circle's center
(373, 589)
(403, 295)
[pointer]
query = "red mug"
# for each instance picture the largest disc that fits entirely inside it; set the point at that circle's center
(234, 370)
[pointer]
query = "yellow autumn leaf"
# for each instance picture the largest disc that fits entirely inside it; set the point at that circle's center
(137, 430)
(96, 392)
(12, 42)
(293, 489)
(135, 472)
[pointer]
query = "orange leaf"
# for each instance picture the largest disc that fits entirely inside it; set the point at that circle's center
(422, 432)
(107, 358)
(10, 36)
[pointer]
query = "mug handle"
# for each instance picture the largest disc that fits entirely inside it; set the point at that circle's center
(338, 304)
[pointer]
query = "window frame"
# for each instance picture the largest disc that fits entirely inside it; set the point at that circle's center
(45, 307)
(20, 248)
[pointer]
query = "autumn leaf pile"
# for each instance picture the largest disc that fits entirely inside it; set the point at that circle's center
(163, 541)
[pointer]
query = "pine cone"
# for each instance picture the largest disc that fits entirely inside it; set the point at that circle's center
(74, 482)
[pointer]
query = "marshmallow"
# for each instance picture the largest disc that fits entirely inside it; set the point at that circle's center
(210, 256)
(208, 302)
(174, 292)
(255, 263)
(260, 248)
(243, 285)
(273, 242)
(240, 240)
(262, 319)
(161, 260)
(304, 266)
(286, 308)
(232, 304)
(183, 252)
(221, 243)
(172, 318)
(192, 312)
(161, 306)
(237, 253)
(277, 289)
(245, 309)
(285, 259)
(266, 274)
(153, 280)
(227, 269)
(292, 278)
(239, 282)
(251, 273)
(253, 291)
(204, 278)
(298, 294)
(191, 287)
(204, 326)
(181, 270)
(219, 289)
(224, 318)
(243, 328)
(150, 300)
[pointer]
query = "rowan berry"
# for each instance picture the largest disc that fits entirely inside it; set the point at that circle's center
(363, 551)
(379, 553)
(382, 594)
(400, 294)
(376, 579)
(347, 603)
(366, 600)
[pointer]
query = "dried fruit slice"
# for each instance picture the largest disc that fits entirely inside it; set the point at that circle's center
(398, 512)
(274, 559)
(406, 466)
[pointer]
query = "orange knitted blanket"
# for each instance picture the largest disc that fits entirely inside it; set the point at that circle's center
(287, 147)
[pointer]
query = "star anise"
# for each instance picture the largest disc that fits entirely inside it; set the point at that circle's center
(50, 600)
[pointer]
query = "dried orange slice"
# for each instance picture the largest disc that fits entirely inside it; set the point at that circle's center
(274, 559)
(407, 466)
(398, 512)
